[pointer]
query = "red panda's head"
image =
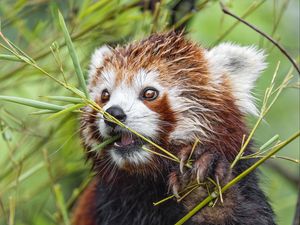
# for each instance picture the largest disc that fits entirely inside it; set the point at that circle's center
(171, 91)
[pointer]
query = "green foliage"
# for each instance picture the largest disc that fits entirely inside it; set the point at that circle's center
(42, 165)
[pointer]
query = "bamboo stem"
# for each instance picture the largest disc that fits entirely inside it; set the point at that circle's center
(237, 179)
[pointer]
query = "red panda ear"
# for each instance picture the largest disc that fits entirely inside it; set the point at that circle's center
(98, 58)
(241, 66)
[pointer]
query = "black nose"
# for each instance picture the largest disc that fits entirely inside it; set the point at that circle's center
(116, 112)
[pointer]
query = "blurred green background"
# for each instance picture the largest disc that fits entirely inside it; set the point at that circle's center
(37, 152)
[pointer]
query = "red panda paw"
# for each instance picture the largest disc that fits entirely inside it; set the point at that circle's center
(207, 169)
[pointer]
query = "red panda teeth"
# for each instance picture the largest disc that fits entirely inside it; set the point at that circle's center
(126, 140)
(117, 145)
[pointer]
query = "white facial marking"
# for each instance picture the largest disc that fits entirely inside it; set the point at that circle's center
(242, 65)
(140, 157)
(138, 116)
(145, 79)
(118, 159)
(97, 59)
(106, 81)
(137, 157)
(189, 123)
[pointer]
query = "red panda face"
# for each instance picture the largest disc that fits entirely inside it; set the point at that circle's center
(171, 91)
(140, 101)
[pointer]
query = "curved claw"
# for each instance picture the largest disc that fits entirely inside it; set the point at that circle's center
(175, 190)
(198, 176)
(181, 165)
(184, 155)
(174, 184)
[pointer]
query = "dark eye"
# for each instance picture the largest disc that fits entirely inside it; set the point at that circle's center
(149, 93)
(105, 95)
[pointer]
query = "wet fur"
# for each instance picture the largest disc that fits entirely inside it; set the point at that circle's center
(209, 107)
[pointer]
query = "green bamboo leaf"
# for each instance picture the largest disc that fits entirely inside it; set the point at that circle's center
(22, 54)
(73, 54)
(92, 8)
(5, 132)
(269, 142)
(32, 103)
(83, 8)
(61, 204)
(76, 91)
(66, 110)
(54, 12)
(42, 112)
(7, 135)
(10, 58)
(64, 99)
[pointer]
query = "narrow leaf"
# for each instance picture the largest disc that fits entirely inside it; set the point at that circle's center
(66, 110)
(32, 103)
(63, 99)
(41, 112)
(73, 54)
(269, 142)
(61, 203)
(10, 58)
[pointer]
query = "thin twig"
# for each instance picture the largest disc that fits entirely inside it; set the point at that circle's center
(253, 7)
(226, 11)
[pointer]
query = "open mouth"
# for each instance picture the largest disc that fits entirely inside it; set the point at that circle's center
(128, 143)
(128, 150)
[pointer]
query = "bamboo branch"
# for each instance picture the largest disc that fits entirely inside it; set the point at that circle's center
(284, 52)
(237, 179)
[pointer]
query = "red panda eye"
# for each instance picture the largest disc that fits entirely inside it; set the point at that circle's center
(149, 94)
(105, 95)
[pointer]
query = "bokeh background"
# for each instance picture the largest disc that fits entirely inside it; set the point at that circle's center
(37, 152)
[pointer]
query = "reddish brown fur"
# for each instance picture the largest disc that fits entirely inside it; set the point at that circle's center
(163, 108)
(179, 63)
(169, 54)
(86, 206)
(182, 61)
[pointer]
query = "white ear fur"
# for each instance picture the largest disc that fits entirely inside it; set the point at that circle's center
(97, 58)
(242, 65)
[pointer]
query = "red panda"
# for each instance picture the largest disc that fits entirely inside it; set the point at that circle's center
(172, 91)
